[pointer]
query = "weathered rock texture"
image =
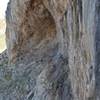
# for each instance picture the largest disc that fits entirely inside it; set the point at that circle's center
(53, 48)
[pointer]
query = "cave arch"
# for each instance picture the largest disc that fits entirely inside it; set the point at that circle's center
(36, 29)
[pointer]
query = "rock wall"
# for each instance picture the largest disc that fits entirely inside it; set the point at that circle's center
(53, 49)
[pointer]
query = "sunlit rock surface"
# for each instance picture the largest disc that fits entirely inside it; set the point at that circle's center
(53, 50)
(2, 35)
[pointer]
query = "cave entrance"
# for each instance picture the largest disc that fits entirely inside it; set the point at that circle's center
(36, 32)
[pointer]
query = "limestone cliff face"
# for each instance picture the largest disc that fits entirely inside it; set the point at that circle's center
(53, 48)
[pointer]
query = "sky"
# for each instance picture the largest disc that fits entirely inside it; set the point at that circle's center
(3, 6)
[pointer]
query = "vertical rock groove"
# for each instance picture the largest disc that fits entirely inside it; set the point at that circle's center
(81, 51)
(97, 43)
